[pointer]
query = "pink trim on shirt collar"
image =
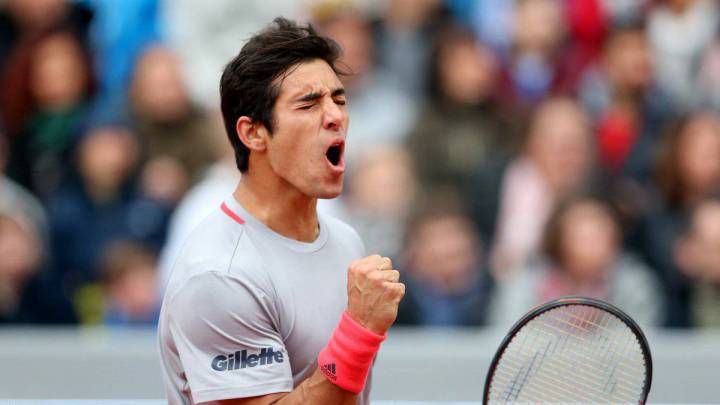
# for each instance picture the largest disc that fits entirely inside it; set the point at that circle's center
(231, 214)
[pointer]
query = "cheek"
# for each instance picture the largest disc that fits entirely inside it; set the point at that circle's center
(292, 158)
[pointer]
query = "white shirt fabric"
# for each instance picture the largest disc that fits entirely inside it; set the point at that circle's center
(220, 180)
(240, 290)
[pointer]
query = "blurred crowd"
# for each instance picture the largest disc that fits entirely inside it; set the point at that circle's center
(502, 152)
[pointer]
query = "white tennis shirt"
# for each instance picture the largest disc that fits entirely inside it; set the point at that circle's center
(247, 310)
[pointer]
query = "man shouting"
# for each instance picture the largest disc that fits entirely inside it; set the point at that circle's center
(269, 302)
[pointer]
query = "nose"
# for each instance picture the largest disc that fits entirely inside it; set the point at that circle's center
(332, 116)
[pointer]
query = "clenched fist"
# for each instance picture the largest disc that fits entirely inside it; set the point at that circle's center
(374, 292)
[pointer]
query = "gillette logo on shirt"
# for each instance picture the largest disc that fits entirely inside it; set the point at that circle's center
(241, 359)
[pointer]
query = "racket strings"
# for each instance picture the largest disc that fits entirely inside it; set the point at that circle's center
(608, 351)
(558, 383)
(578, 366)
(571, 354)
(525, 376)
(603, 363)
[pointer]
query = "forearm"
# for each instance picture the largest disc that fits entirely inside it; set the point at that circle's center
(314, 390)
(317, 389)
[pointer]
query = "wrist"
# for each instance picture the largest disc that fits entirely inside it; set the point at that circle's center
(348, 356)
(364, 323)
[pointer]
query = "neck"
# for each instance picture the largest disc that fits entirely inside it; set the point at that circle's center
(279, 206)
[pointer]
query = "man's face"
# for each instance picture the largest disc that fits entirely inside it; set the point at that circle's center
(310, 127)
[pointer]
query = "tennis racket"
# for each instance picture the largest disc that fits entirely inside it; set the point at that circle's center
(571, 350)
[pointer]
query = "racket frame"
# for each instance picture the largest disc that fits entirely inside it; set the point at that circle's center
(568, 301)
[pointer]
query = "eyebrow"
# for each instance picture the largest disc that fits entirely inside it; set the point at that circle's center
(316, 95)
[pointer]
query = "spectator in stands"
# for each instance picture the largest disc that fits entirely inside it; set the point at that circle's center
(55, 75)
(28, 293)
(679, 32)
(173, 133)
(442, 262)
(21, 21)
(582, 254)
(102, 204)
(556, 160)
(129, 280)
(380, 195)
(461, 128)
(402, 35)
(688, 169)
(698, 256)
(623, 102)
(534, 60)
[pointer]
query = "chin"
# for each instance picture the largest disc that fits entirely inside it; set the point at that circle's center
(329, 193)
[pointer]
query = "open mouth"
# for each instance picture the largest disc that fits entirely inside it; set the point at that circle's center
(334, 154)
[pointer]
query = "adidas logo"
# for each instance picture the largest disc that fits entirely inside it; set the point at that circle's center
(329, 371)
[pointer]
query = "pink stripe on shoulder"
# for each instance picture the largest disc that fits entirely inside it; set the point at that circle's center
(231, 214)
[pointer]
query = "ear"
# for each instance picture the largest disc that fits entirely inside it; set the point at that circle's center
(251, 134)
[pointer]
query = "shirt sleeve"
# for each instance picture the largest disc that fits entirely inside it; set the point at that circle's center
(226, 335)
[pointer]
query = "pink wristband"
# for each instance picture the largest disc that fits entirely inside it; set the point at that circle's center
(347, 358)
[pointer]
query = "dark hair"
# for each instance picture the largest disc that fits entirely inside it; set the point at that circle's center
(17, 101)
(448, 36)
(248, 86)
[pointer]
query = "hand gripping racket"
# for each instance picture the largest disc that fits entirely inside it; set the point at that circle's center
(571, 350)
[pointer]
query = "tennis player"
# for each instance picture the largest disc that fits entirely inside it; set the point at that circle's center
(269, 302)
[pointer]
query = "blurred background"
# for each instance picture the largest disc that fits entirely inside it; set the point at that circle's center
(502, 152)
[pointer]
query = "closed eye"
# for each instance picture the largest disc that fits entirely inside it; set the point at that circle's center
(307, 107)
(340, 102)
